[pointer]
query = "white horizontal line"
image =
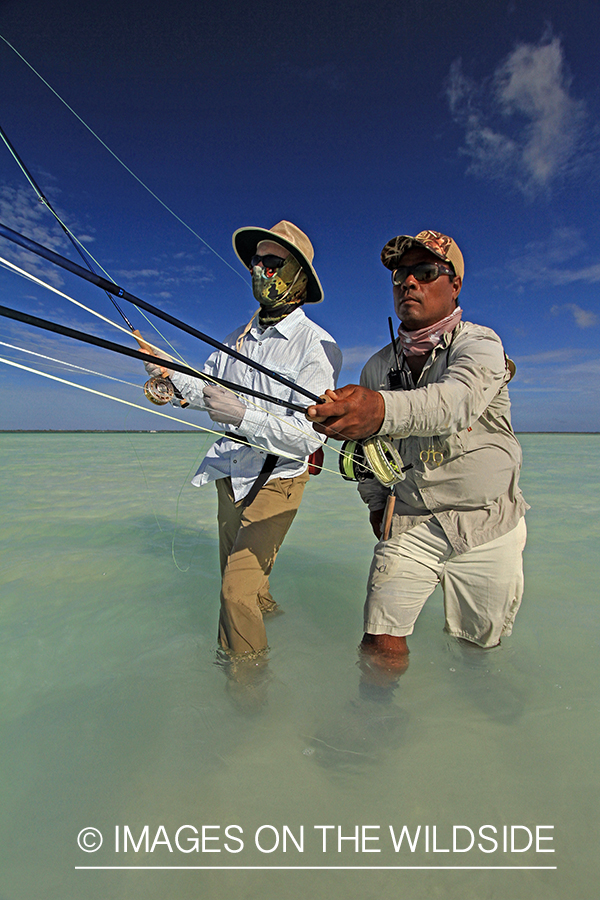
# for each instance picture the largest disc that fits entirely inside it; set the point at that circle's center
(314, 868)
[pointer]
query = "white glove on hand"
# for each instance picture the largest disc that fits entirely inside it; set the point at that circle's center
(223, 406)
(156, 371)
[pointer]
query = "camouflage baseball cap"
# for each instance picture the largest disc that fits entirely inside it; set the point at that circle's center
(439, 244)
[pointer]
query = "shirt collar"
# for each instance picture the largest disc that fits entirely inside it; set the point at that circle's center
(286, 327)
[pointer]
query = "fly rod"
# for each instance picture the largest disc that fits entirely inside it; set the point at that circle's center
(43, 199)
(112, 288)
(27, 319)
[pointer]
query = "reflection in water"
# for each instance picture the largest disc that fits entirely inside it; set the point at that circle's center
(113, 711)
(358, 735)
(480, 675)
(247, 677)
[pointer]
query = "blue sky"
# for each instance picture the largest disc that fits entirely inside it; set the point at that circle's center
(357, 121)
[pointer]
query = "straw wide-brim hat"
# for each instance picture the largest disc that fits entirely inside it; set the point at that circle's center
(289, 236)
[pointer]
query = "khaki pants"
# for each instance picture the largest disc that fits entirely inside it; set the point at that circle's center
(249, 539)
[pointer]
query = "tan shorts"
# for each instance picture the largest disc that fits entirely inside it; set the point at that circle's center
(482, 587)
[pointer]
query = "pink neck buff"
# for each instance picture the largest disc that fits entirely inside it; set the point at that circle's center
(418, 343)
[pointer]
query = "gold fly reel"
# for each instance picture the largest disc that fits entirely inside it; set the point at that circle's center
(159, 390)
(376, 457)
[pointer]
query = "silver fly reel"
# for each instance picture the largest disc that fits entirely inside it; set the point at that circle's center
(159, 390)
(374, 458)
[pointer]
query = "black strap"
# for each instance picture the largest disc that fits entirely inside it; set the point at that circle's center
(268, 466)
(262, 477)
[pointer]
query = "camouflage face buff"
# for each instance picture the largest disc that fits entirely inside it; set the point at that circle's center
(281, 293)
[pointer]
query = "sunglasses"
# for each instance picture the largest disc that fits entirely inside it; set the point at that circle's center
(424, 272)
(269, 261)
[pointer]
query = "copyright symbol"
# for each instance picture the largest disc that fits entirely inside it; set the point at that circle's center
(89, 839)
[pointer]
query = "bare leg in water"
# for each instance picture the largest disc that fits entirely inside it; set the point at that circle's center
(383, 659)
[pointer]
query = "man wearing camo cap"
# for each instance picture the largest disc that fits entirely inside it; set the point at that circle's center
(457, 518)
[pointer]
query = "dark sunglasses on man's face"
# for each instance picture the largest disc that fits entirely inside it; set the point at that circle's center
(424, 272)
(269, 261)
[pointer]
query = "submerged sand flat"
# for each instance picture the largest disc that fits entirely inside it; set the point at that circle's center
(115, 716)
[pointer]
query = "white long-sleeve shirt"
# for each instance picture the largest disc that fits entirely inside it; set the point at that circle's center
(299, 350)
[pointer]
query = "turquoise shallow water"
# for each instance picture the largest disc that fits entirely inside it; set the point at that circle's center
(113, 712)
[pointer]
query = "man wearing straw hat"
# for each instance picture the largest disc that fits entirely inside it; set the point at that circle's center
(457, 517)
(260, 465)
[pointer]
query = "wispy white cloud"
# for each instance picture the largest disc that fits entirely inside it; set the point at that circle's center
(134, 274)
(357, 356)
(587, 274)
(170, 272)
(522, 124)
(550, 261)
(568, 368)
(584, 318)
(189, 274)
(60, 348)
(562, 355)
(21, 212)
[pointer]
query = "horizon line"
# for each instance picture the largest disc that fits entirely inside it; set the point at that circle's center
(180, 431)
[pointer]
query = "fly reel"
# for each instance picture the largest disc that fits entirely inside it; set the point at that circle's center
(352, 462)
(374, 458)
(159, 390)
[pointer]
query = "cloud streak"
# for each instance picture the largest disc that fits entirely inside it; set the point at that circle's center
(571, 369)
(549, 262)
(19, 212)
(168, 278)
(584, 318)
(357, 356)
(23, 213)
(522, 124)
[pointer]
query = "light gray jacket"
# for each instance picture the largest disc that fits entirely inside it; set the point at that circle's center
(454, 429)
